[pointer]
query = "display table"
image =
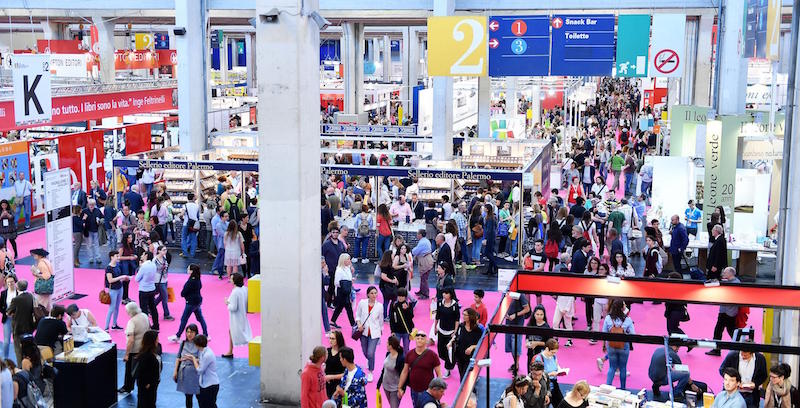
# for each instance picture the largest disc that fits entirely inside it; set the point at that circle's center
(87, 377)
(610, 396)
(406, 230)
(746, 255)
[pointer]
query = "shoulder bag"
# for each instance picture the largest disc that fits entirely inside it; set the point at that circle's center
(356, 335)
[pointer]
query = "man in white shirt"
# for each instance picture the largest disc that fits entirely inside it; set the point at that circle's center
(400, 210)
(22, 191)
(191, 215)
(148, 178)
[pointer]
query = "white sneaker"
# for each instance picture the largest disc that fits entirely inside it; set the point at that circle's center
(173, 338)
(509, 259)
(600, 363)
(446, 374)
(365, 260)
(354, 260)
(369, 377)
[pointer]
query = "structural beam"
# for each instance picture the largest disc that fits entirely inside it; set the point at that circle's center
(288, 91)
(192, 75)
(442, 128)
(105, 30)
(733, 67)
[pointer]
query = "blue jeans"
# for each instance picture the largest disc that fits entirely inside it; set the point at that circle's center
(625, 243)
(161, 297)
(617, 360)
(112, 238)
(383, 244)
(360, 250)
(404, 339)
(681, 377)
(646, 186)
(326, 324)
(514, 245)
(113, 307)
(630, 184)
(148, 188)
(466, 255)
(603, 170)
(119, 202)
(368, 346)
(219, 261)
(198, 314)
(26, 203)
(6, 337)
(93, 245)
(188, 241)
(477, 244)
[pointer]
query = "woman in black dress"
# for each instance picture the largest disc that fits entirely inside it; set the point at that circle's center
(535, 344)
(468, 334)
(247, 236)
(334, 370)
(447, 313)
(147, 371)
(388, 283)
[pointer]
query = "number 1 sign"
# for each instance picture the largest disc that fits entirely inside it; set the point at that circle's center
(457, 46)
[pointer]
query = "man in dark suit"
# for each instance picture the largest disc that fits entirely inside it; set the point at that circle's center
(445, 253)
(78, 195)
(21, 312)
(133, 199)
(753, 369)
(678, 242)
(717, 255)
(581, 257)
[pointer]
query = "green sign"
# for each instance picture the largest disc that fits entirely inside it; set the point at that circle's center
(719, 184)
(633, 42)
(683, 121)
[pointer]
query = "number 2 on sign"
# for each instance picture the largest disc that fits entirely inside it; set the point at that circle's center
(477, 38)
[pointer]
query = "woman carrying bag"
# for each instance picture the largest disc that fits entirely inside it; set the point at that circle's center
(390, 375)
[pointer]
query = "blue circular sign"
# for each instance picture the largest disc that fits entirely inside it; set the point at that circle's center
(519, 46)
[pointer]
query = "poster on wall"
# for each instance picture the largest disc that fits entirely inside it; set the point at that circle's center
(13, 162)
(83, 154)
(719, 183)
(58, 226)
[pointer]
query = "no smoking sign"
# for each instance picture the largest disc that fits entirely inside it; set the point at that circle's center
(666, 61)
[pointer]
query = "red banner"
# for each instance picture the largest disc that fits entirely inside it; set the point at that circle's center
(69, 109)
(140, 59)
(83, 154)
(59, 47)
(167, 57)
(137, 138)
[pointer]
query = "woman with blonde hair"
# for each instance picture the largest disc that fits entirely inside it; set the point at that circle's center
(577, 397)
(343, 282)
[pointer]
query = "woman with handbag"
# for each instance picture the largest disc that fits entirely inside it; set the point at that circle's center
(403, 265)
(446, 314)
(185, 373)
(384, 222)
(392, 368)
(42, 269)
(113, 281)
(467, 336)
(234, 248)
(370, 326)
(343, 282)
(8, 226)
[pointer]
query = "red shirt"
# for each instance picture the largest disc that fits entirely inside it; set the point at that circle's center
(384, 228)
(420, 376)
(483, 314)
(312, 387)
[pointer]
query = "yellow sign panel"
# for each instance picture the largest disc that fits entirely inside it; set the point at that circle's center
(144, 41)
(773, 30)
(457, 46)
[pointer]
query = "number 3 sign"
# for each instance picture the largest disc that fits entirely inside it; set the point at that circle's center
(457, 46)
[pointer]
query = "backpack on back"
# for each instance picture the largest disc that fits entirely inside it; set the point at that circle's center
(233, 211)
(363, 227)
(618, 330)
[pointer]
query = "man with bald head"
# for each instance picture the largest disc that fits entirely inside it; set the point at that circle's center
(726, 319)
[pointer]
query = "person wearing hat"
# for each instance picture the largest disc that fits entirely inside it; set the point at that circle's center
(42, 269)
(420, 366)
(431, 398)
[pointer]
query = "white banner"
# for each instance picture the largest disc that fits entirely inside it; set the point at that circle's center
(504, 278)
(667, 45)
(68, 65)
(59, 231)
(32, 93)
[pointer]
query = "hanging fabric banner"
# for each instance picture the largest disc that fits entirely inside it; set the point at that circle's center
(668, 44)
(633, 42)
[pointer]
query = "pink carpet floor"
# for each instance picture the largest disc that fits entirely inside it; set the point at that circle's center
(90, 282)
(581, 358)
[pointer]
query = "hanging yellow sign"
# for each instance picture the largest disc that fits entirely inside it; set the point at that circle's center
(144, 41)
(457, 46)
(773, 30)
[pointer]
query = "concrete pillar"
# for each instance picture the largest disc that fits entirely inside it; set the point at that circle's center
(250, 52)
(702, 78)
(289, 96)
(55, 31)
(353, 60)
(536, 104)
(375, 53)
(192, 74)
(443, 98)
(484, 104)
(387, 59)
(512, 105)
(405, 90)
(733, 67)
(105, 31)
(223, 59)
(410, 68)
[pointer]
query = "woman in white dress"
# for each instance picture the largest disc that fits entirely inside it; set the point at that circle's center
(234, 248)
(237, 308)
